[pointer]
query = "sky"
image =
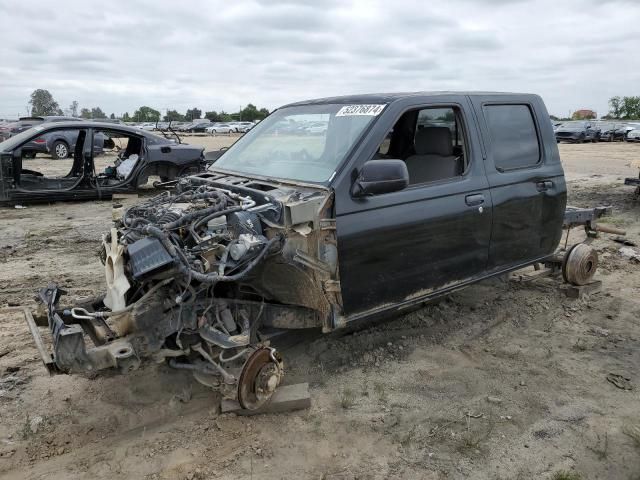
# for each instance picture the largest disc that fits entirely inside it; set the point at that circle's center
(221, 55)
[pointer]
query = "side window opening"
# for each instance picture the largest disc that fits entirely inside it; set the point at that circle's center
(53, 156)
(514, 137)
(119, 155)
(430, 141)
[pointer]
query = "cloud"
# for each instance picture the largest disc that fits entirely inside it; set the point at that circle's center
(220, 55)
(473, 41)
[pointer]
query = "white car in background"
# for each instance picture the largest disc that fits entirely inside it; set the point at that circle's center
(148, 126)
(633, 135)
(243, 126)
(316, 128)
(220, 128)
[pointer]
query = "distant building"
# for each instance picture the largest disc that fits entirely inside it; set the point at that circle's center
(584, 114)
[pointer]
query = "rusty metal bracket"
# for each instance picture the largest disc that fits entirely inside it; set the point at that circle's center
(47, 358)
(327, 224)
(587, 217)
(311, 262)
(331, 286)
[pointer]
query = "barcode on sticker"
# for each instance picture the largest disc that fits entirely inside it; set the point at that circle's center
(371, 110)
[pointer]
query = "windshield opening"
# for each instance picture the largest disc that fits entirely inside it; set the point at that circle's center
(305, 143)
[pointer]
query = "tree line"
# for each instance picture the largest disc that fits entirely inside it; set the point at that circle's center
(247, 114)
(43, 103)
(623, 108)
(620, 108)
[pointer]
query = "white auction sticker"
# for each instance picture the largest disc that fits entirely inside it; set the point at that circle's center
(371, 110)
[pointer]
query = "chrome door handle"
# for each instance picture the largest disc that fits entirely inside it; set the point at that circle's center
(544, 185)
(474, 200)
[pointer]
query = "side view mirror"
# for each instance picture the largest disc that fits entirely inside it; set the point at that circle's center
(380, 176)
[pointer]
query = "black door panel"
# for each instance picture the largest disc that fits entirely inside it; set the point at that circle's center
(528, 201)
(402, 246)
(403, 250)
(527, 219)
(515, 222)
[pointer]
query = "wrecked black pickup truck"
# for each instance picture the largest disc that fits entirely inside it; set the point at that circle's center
(400, 199)
(140, 155)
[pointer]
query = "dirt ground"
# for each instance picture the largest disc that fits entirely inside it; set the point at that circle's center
(503, 380)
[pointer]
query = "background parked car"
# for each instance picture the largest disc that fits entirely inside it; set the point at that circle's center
(633, 135)
(61, 143)
(577, 132)
(178, 126)
(220, 128)
(628, 128)
(115, 121)
(316, 128)
(24, 123)
(198, 126)
(148, 126)
(241, 126)
(611, 132)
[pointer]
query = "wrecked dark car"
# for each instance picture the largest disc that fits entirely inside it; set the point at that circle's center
(140, 155)
(401, 198)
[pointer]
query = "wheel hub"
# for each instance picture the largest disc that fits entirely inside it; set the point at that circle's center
(580, 264)
(261, 375)
(61, 150)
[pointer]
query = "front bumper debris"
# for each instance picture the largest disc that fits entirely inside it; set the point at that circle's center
(201, 278)
(252, 382)
(70, 353)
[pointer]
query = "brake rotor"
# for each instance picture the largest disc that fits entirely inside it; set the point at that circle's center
(260, 376)
(579, 264)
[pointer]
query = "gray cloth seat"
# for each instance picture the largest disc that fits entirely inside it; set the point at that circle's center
(434, 158)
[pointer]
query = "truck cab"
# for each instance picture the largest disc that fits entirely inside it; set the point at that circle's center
(485, 194)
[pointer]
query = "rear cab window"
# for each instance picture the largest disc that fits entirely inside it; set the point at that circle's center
(515, 142)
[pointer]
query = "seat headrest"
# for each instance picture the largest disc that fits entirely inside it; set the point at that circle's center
(434, 141)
